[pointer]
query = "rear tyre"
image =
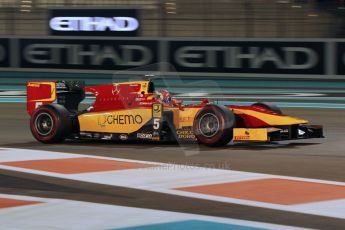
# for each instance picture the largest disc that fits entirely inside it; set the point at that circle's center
(213, 125)
(51, 123)
(268, 106)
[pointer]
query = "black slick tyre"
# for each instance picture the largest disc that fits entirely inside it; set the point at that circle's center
(51, 123)
(213, 125)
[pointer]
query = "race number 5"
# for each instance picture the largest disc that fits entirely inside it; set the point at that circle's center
(156, 123)
(157, 112)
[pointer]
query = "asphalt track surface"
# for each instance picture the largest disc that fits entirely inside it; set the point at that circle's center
(317, 158)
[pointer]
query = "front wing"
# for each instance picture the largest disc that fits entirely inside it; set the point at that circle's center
(279, 133)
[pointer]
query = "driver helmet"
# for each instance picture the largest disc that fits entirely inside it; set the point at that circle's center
(164, 96)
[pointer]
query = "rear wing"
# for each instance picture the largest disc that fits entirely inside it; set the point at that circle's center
(40, 93)
(66, 93)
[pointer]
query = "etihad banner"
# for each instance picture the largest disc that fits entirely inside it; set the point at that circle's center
(252, 57)
(87, 53)
(94, 22)
(248, 57)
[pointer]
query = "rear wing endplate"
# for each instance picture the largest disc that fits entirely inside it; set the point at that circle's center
(40, 93)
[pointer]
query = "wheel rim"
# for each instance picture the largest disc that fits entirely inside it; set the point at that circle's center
(44, 124)
(209, 125)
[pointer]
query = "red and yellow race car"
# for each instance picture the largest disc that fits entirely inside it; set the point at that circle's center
(135, 111)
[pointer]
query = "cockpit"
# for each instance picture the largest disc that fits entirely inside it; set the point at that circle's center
(163, 96)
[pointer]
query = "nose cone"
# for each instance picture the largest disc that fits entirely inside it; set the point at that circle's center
(287, 120)
(256, 118)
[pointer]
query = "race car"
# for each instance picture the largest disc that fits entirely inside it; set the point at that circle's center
(135, 111)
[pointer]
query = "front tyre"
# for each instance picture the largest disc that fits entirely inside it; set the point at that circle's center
(51, 123)
(213, 125)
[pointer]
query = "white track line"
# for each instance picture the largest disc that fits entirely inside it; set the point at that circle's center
(166, 177)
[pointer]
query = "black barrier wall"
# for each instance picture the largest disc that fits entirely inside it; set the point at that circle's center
(4, 53)
(340, 57)
(269, 57)
(248, 57)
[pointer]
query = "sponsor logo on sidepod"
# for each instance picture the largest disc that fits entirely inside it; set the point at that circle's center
(144, 135)
(123, 137)
(119, 120)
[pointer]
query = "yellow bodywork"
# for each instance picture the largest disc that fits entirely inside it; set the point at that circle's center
(131, 120)
(184, 117)
(119, 121)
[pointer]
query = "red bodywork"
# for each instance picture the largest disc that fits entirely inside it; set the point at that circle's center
(40, 93)
(118, 97)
